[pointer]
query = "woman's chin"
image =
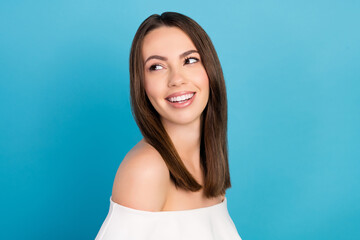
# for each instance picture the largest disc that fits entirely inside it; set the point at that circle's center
(181, 121)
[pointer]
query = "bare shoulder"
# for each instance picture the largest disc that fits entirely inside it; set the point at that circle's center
(142, 180)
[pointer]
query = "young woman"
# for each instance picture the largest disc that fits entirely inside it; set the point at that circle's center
(172, 184)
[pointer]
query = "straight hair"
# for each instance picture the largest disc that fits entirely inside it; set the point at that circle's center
(213, 145)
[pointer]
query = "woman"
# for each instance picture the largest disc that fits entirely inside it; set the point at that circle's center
(172, 184)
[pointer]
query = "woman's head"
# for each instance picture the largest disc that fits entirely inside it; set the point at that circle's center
(191, 65)
(201, 42)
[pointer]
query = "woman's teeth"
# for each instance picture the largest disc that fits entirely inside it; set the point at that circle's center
(181, 98)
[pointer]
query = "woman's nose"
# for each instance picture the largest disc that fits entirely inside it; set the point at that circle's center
(176, 78)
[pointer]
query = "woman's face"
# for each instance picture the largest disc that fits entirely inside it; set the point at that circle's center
(176, 82)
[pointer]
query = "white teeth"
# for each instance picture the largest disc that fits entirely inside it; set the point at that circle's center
(181, 98)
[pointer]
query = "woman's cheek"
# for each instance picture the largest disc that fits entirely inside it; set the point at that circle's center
(153, 90)
(202, 77)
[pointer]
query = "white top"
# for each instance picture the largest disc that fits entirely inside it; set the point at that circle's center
(207, 223)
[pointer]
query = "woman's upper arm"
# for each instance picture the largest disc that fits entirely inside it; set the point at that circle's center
(142, 181)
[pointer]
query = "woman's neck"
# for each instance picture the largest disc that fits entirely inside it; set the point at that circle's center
(186, 139)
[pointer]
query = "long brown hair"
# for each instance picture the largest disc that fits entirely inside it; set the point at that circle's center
(213, 146)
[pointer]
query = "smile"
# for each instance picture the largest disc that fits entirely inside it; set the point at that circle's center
(180, 99)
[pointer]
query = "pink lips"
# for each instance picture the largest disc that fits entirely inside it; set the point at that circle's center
(181, 104)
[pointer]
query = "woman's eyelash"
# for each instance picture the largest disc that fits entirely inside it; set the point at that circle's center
(188, 58)
(153, 67)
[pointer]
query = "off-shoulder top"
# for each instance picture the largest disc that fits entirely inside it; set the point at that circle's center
(207, 223)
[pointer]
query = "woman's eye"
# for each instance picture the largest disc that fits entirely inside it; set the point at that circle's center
(191, 60)
(155, 67)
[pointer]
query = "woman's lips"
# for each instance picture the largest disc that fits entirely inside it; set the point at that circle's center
(181, 103)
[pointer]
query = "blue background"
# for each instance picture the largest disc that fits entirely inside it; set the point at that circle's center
(292, 74)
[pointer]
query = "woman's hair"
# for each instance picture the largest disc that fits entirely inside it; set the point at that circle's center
(213, 146)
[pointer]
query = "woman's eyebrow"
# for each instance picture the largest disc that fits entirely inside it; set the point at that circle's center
(187, 53)
(155, 57)
(165, 58)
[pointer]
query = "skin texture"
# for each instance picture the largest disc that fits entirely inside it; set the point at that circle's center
(142, 180)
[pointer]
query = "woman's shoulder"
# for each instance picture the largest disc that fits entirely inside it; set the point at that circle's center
(142, 149)
(144, 155)
(142, 179)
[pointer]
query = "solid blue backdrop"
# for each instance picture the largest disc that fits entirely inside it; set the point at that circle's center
(292, 75)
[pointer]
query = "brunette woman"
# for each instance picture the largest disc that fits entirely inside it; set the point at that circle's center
(171, 185)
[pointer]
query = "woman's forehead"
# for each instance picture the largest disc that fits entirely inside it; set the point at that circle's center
(166, 41)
